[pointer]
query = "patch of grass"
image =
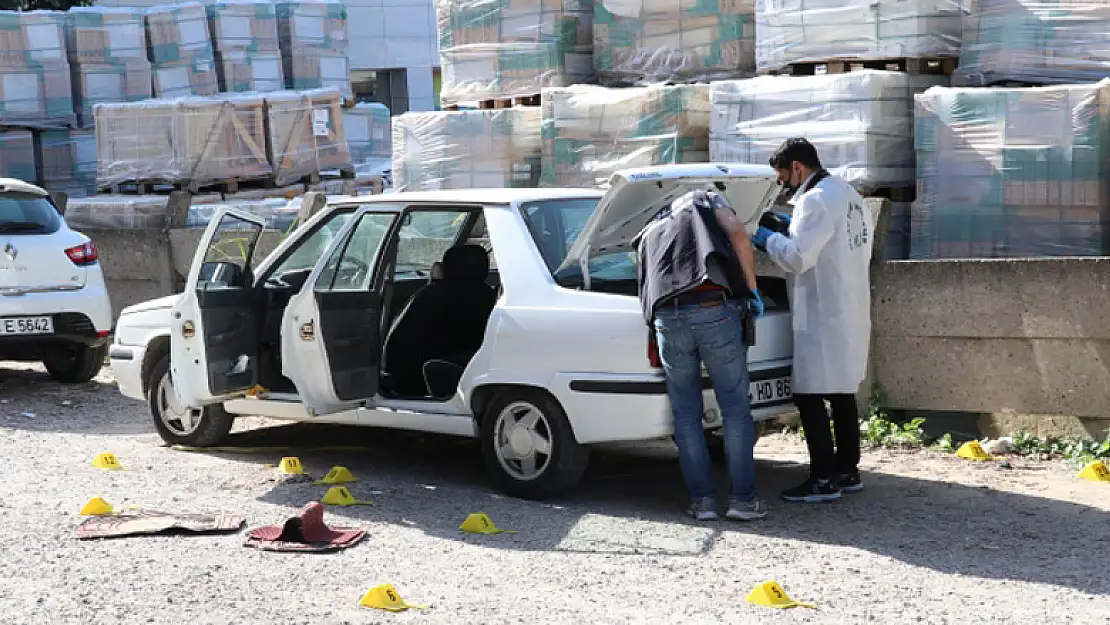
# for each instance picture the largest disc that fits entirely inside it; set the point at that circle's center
(1078, 450)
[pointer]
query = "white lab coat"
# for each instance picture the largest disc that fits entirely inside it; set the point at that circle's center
(828, 252)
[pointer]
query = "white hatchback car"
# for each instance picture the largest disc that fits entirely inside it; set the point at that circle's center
(509, 315)
(54, 307)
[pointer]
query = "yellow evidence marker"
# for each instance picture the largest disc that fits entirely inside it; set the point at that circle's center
(385, 597)
(340, 496)
(291, 465)
(97, 507)
(770, 594)
(480, 523)
(337, 475)
(1095, 472)
(972, 450)
(106, 461)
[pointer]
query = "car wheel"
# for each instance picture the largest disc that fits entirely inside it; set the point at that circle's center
(529, 447)
(75, 363)
(181, 425)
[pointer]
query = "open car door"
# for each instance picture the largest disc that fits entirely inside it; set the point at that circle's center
(331, 330)
(635, 196)
(213, 326)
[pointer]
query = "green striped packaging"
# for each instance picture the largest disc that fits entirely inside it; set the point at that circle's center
(17, 155)
(67, 159)
(111, 35)
(368, 136)
(181, 52)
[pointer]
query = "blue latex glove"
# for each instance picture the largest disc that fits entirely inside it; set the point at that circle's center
(755, 305)
(759, 239)
(785, 217)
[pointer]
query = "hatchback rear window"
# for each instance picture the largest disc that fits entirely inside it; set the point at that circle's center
(26, 213)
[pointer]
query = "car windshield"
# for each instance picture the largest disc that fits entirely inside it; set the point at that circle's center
(556, 224)
(27, 213)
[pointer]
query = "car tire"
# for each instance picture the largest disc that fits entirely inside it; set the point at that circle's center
(75, 363)
(205, 427)
(558, 470)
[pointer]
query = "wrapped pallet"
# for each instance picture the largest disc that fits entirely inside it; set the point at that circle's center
(512, 47)
(189, 141)
(1045, 42)
(1006, 173)
(119, 212)
(808, 31)
(313, 39)
(17, 155)
(861, 122)
(588, 132)
(305, 133)
(368, 137)
(245, 45)
(35, 88)
(672, 41)
(67, 160)
(107, 57)
(181, 50)
(466, 149)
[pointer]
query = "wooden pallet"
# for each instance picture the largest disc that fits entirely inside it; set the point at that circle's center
(231, 185)
(495, 103)
(936, 66)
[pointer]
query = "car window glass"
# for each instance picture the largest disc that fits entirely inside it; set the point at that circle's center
(351, 265)
(311, 248)
(228, 256)
(479, 235)
(423, 238)
(555, 224)
(27, 213)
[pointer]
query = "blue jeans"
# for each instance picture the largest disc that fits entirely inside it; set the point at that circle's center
(687, 336)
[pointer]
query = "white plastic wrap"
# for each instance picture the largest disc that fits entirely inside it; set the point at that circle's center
(1012, 172)
(652, 41)
(198, 140)
(860, 122)
(17, 155)
(466, 149)
(808, 31)
(305, 133)
(1046, 42)
(589, 131)
(67, 159)
(512, 47)
(35, 86)
(368, 136)
(278, 213)
(122, 212)
(245, 45)
(314, 45)
(181, 50)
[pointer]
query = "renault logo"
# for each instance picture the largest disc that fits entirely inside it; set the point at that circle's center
(10, 251)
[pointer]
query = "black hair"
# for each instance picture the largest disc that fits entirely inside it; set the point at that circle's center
(795, 150)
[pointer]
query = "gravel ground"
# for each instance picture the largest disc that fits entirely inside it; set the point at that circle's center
(932, 540)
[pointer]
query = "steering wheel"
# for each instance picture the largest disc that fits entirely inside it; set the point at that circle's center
(352, 271)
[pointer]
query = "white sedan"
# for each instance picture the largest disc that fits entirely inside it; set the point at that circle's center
(509, 315)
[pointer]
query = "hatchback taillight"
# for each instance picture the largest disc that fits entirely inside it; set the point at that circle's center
(83, 255)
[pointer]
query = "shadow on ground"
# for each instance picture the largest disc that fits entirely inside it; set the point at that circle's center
(31, 400)
(431, 483)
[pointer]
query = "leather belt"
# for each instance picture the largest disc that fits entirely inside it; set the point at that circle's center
(704, 299)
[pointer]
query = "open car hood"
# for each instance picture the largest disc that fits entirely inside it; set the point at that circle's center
(635, 196)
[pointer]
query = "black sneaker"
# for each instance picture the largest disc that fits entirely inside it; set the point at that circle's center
(813, 491)
(851, 482)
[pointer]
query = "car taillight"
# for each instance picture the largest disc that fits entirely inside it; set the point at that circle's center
(83, 255)
(653, 355)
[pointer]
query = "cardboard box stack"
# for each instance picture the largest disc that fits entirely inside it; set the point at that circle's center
(588, 132)
(512, 47)
(107, 52)
(313, 38)
(67, 159)
(17, 154)
(305, 133)
(366, 126)
(198, 140)
(1037, 42)
(181, 50)
(35, 88)
(245, 45)
(465, 149)
(803, 31)
(655, 41)
(1012, 172)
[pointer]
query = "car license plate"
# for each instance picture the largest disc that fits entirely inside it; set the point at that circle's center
(26, 325)
(772, 391)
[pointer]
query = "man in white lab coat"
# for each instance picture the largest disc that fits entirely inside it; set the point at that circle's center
(826, 245)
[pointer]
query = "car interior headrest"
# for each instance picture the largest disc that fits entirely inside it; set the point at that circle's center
(466, 263)
(436, 272)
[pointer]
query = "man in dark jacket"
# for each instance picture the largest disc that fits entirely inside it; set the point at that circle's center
(697, 286)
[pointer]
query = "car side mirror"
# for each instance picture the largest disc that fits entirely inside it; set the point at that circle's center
(221, 274)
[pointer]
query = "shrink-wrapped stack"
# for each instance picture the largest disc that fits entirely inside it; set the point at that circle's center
(305, 133)
(181, 50)
(651, 41)
(17, 155)
(466, 149)
(275, 211)
(245, 45)
(368, 137)
(806, 31)
(67, 159)
(1035, 41)
(313, 38)
(123, 212)
(107, 57)
(1011, 172)
(588, 132)
(860, 122)
(35, 88)
(191, 140)
(512, 48)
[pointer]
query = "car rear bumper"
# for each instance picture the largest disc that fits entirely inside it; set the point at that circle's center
(92, 302)
(126, 362)
(69, 328)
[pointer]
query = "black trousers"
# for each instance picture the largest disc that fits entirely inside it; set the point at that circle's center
(824, 462)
